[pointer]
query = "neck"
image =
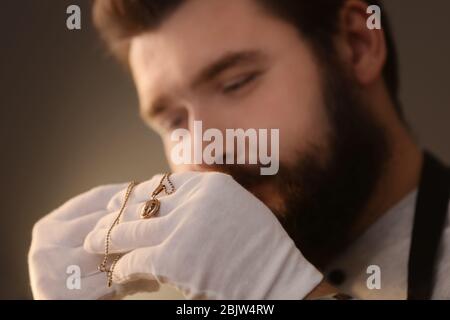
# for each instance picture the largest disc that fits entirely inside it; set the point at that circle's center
(400, 177)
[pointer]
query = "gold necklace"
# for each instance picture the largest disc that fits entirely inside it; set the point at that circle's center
(151, 208)
(102, 267)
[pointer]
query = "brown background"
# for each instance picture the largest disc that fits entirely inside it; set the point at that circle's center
(69, 117)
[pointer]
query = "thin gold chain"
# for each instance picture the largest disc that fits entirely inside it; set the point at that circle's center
(102, 266)
(161, 186)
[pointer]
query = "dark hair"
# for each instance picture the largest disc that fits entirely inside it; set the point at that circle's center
(317, 20)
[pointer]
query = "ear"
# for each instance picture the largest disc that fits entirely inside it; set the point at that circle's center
(362, 49)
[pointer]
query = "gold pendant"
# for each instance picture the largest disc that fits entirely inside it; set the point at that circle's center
(150, 209)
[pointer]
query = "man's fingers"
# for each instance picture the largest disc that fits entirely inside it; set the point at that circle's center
(88, 202)
(140, 192)
(132, 212)
(137, 264)
(68, 234)
(144, 190)
(128, 236)
(51, 268)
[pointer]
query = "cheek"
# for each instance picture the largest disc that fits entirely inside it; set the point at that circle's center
(291, 102)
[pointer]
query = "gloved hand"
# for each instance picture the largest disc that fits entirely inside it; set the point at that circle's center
(212, 239)
(57, 244)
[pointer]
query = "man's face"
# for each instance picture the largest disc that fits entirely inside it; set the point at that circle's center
(233, 65)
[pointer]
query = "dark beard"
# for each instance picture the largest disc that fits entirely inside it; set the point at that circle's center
(322, 201)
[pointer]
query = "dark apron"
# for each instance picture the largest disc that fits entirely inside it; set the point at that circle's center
(429, 223)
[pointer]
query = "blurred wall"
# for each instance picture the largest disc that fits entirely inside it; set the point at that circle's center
(69, 115)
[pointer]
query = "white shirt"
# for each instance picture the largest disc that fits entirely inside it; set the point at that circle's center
(386, 244)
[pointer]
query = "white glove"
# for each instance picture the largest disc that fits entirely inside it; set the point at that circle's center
(212, 239)
(57, 244)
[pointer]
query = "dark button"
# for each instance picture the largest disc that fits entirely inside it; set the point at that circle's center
(336, 277)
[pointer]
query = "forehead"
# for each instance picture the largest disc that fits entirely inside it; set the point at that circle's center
(199, 31)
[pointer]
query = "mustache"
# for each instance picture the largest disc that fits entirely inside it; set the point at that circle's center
(247, 175)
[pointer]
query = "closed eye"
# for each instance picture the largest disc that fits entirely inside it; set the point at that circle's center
(175, 119)
(176, 122)
(239, 83)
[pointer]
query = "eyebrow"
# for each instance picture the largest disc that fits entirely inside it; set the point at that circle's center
(227, 61)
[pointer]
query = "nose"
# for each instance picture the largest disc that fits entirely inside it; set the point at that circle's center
(190, 141)
(199, 119)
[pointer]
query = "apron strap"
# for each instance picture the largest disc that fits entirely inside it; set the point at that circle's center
(429, 223)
